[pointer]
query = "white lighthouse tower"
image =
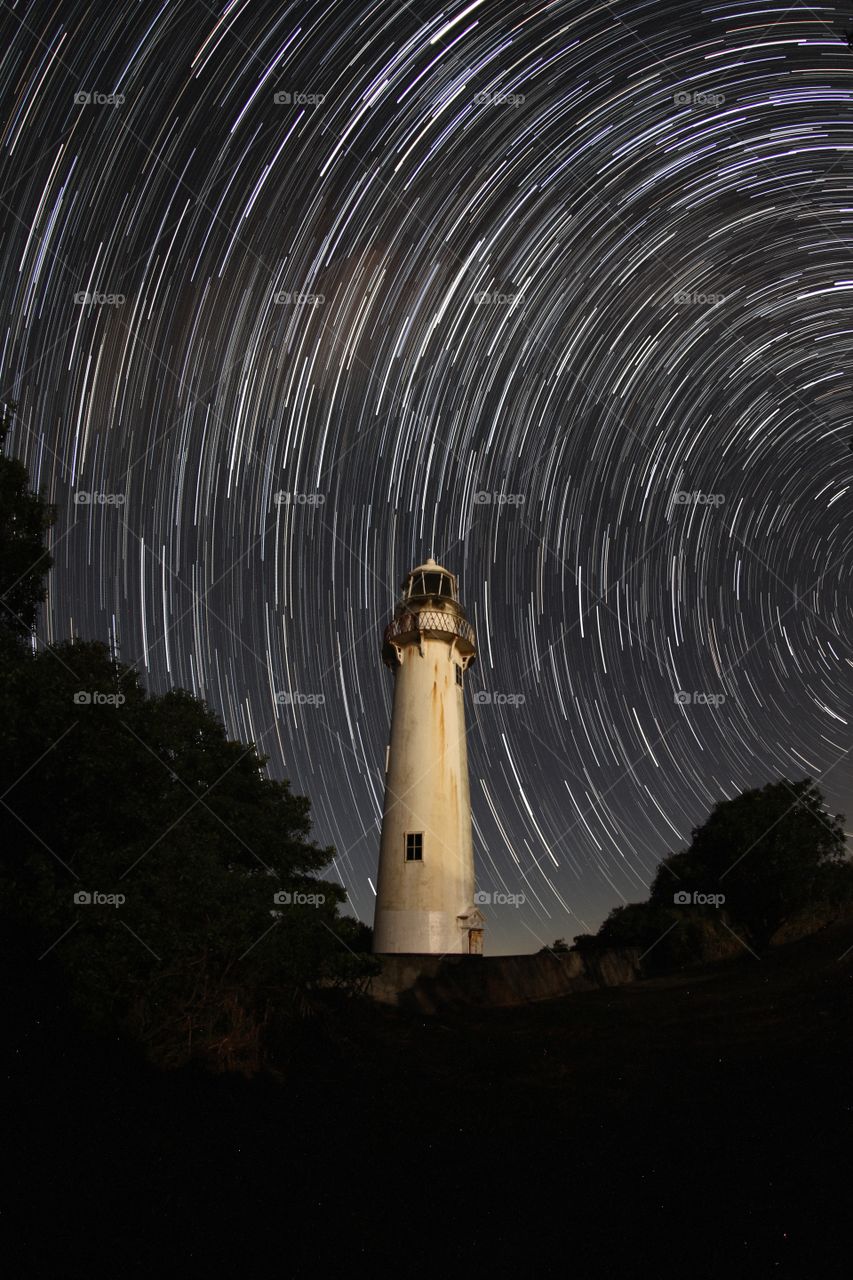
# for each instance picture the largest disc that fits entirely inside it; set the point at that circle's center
(425, 890)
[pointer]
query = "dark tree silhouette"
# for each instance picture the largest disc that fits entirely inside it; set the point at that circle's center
(754, 863)
(24, 519)
(126, 794)
(771, 852)
(172, 882)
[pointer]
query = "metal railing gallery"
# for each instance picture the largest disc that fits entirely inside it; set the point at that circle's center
(411, 623)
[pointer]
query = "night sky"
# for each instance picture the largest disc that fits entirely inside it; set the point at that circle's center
(295, 296)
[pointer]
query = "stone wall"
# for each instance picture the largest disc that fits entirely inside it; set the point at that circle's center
(428, 983)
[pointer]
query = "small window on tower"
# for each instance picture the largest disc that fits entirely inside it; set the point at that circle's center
(459, 676)
(414, 846)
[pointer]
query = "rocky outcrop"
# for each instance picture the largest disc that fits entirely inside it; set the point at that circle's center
(811, 920)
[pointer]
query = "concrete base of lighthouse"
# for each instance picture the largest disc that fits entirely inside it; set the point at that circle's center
(413, 932)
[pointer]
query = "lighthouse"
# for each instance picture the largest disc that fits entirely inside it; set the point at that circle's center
(425, 890)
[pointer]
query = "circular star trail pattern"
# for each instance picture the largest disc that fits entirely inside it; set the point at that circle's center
(297, 295)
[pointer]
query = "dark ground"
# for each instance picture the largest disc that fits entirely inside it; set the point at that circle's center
(693, 1126)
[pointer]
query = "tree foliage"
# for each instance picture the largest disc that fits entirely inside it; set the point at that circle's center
(771, 852)
(25, 517)
(115, 792)
(171, 881)
(756, 862)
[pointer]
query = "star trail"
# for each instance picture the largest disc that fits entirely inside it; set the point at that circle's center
(297, 295)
